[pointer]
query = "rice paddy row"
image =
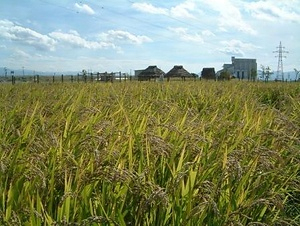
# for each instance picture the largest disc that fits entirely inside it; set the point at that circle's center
(193, 153)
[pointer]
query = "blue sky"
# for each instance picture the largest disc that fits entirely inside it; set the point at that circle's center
(125, 35)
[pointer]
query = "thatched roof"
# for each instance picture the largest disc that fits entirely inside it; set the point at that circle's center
(208, 73)
(151, 72)
(178, 72)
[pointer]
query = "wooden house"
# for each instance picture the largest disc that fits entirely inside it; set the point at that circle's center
(208, 73)
(179, 72)
(151, 72)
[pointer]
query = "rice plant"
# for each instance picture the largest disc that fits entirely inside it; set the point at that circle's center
(178, 153)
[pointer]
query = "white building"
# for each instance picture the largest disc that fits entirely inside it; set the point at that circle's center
(241, 68)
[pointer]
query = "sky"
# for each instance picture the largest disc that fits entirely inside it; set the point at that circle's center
(127, 35)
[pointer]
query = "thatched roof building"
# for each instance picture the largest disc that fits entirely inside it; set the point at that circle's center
(208, 73)
(178, 72)
(151, 72)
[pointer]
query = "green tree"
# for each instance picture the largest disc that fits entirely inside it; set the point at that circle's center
(225, 75)
(253, 74)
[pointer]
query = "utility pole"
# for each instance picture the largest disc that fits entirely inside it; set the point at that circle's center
(280, 55)
(13, 79)
(5, 72)
(297, 74)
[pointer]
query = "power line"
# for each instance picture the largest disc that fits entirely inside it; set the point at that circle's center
(176, 19)
(151, 24)
(142, 21)
(97, 17)
(59, 6)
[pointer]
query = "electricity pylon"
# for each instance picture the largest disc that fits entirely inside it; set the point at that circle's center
(280, 55)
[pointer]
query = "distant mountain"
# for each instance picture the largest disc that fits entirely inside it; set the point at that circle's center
(288, 76)
(28, 72)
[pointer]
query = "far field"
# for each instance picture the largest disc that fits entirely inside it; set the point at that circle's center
(147, 153)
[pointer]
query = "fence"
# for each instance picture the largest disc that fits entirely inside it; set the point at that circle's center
(103, 77)
(81, 79)
(66, 78)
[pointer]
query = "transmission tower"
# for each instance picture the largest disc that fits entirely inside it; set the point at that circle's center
(297, 74)
(280, 50)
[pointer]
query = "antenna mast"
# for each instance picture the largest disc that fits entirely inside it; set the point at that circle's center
(280, 52)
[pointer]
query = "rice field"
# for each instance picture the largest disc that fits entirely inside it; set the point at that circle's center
(146, 153)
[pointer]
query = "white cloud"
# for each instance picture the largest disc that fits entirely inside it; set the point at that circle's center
(73, 38)
(14, 32)
(119, 35)
(149, 8)
(207, 33)
(185, 36)
(74, 32)
(84, 8)
(274, 10)
(179, 11)
(236, 47)
(183, 10)
(229, 16)
(21, 54)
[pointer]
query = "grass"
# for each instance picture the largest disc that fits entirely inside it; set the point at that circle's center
(192, 153)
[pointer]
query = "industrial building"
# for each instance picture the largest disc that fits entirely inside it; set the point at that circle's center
(241, 68)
